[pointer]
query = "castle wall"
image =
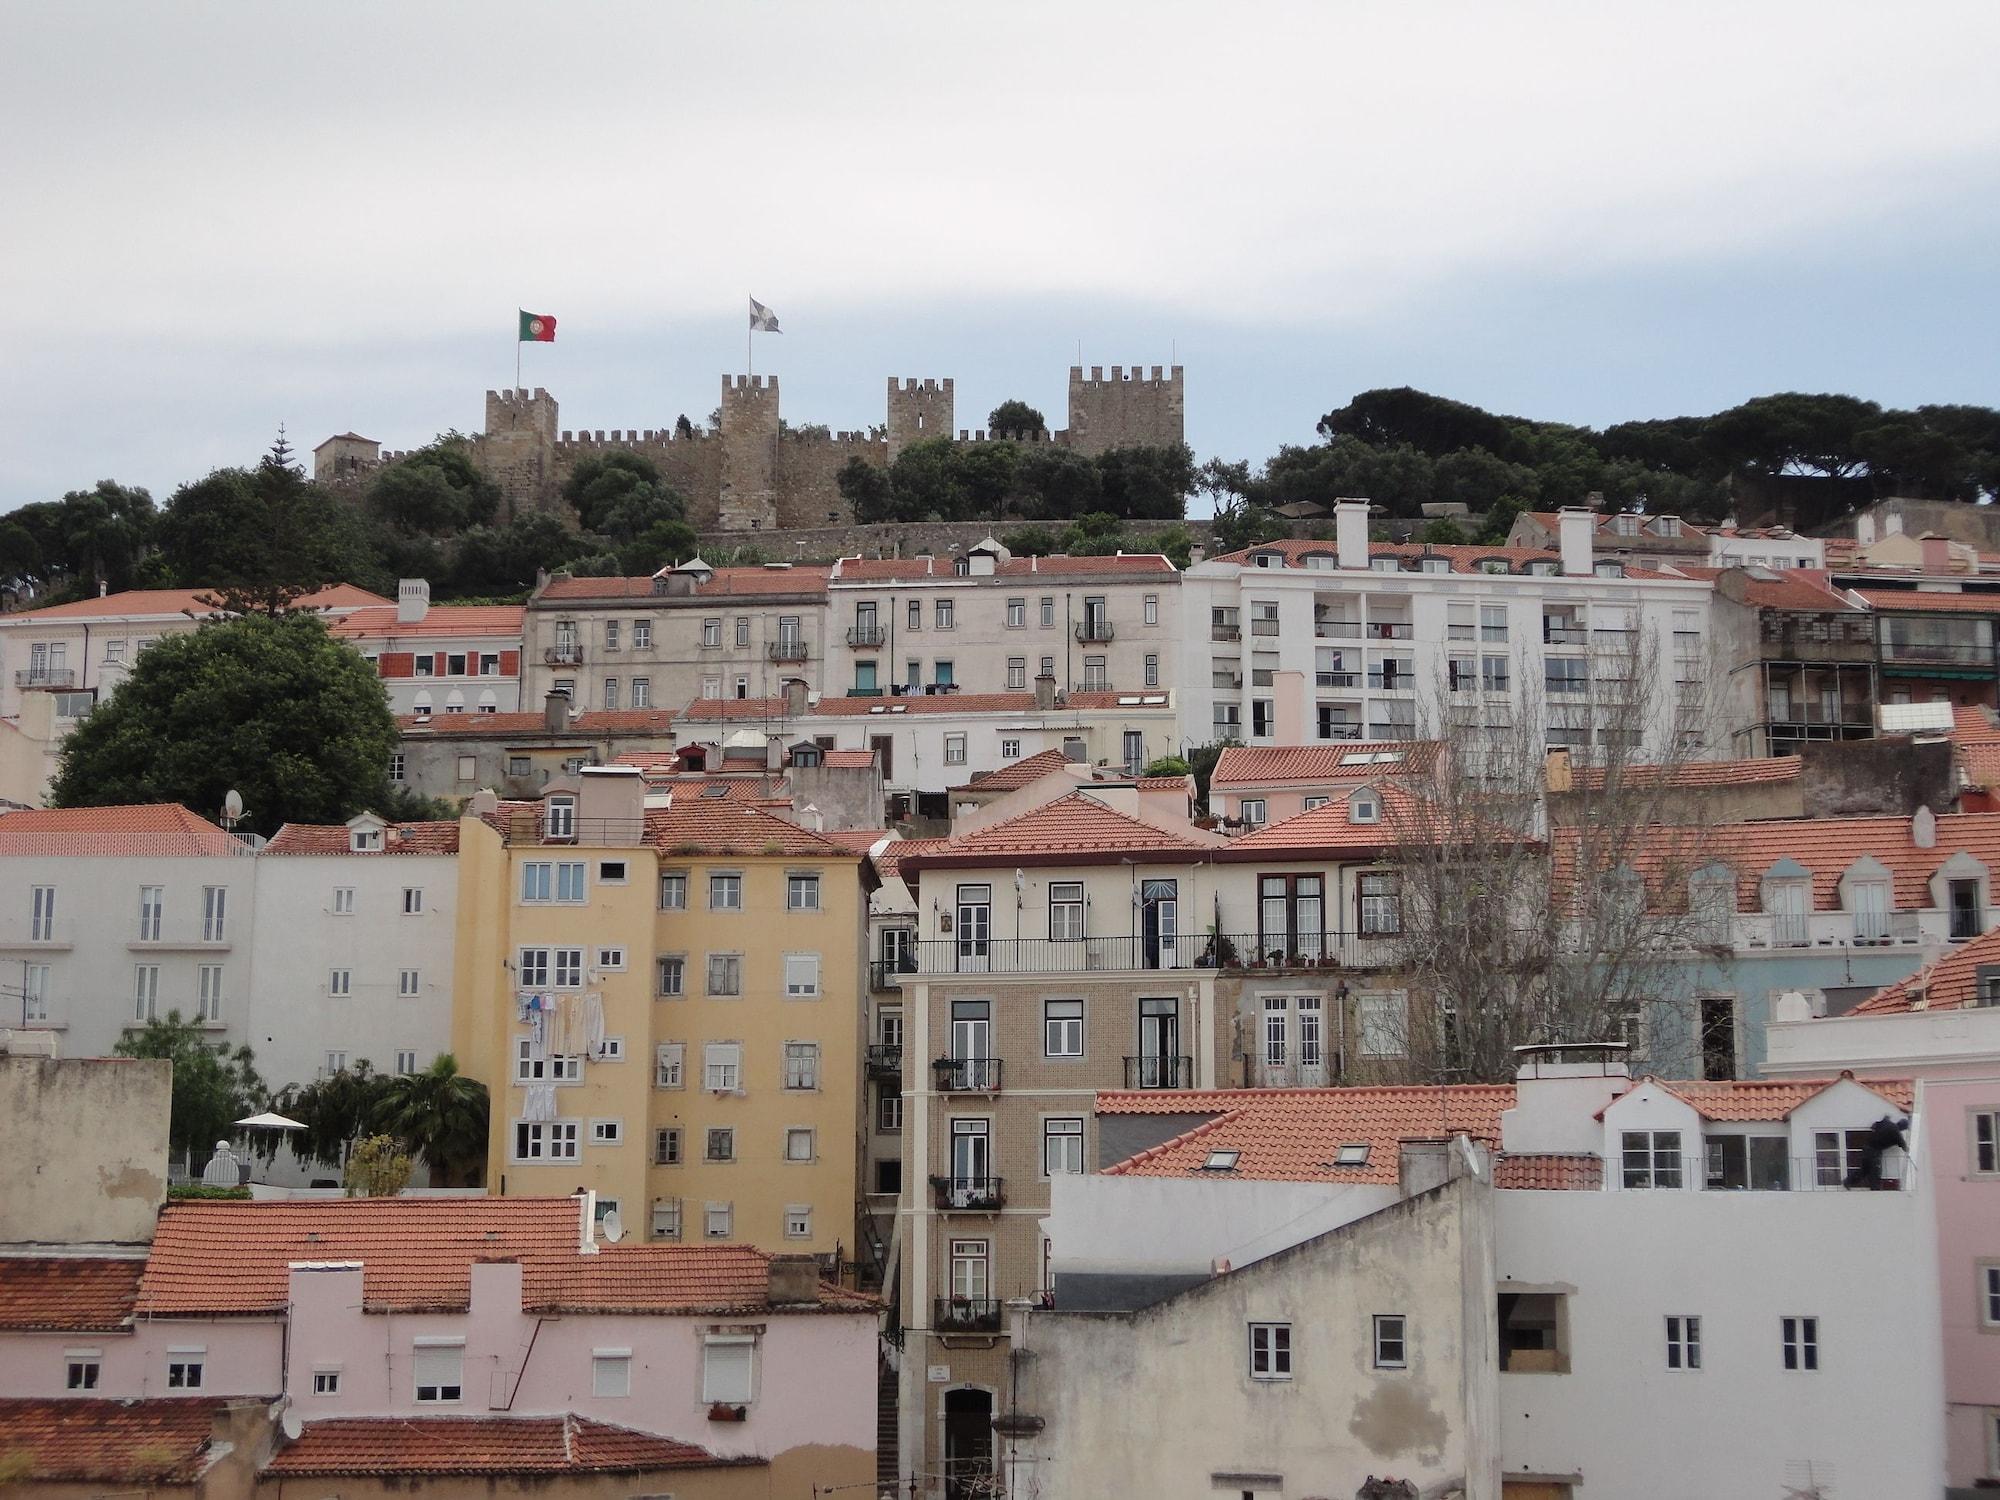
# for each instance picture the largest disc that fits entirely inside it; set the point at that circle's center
(1129, 409)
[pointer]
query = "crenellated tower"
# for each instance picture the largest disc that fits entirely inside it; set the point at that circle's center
(918, 411)
(1130, 409)
(517, 451)
(749, 500)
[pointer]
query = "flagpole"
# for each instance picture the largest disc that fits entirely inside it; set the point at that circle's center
(517, 355)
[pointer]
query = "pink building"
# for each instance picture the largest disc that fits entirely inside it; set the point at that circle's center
(1942, 1027)
(468, 1309)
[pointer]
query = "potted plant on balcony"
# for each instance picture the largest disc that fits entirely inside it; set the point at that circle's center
(724, 1411)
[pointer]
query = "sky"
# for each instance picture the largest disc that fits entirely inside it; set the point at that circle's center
(220, 218)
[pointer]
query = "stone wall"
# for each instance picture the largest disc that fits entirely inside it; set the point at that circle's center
(904, 538)
(87, 1148)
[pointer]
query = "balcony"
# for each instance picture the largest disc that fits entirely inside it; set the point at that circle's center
(1312, 950)
(1834, 929)
(1388, 630)
(1337, 679)
(1393, 682)
(885, 1059)
(1830, 1171)
(1094, 631)
(1337, 630)
(968, 1195)
(536, 827)
(787, 648)
(1229, 633)
(966, 1315)
(564, 656)
(967, 1075)
(1936, 653)
(866, 636)
(1159, 1072)
(1264, 627)
(887, 973)
(1564, 632)
(45, 677)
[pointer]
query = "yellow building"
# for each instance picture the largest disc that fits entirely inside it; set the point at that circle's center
(665, 1000)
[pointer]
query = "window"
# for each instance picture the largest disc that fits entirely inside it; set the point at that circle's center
(1065, 910)
(413, 900)
(1801, 1341)
(1384, 1023)
(667, 1218)
(1152, 677)
(81, 1369)
(42, 913)
(727, 1364)
(673, 974)
(537, 880)
(336, 1062)
(185, 1369)
(1565, 675)
(889, 1112)
(667, 1147)
(396, 766)
(326, 1382)
(1017, 674)
(720, 1144)
(1062, 1028)
(35, 992)
(1010, 749)
(1990, 1303)
(711, 634)
(1985, 1139)
(1839, 1156)
(722, 1070)
(1683, 1343)
(1493, 622)
(437, 1372)
(408, 983)
(802, 1065)
(669, 1059)
(1048, 667)
(717, 1221)
(1095, 677)
(673, 890)
(610, 960)
(1270, 1351)
(1062, 1146)
(208, 991)
(1392, 1348)
(725, 893)
(798, 1221)
(944, 608)
(214, 912)
(568, 968)
(528, 1068)
(1048, 608)
(954, 749)
(152, 899)
(531, 972)
(1651, 1158)
(339, 983)
(1254, 811)
(802, 893)
(343, 901)
(559, 819)
(1748, 1161)
(611, 1372)
(606, 1132)
(406, 1061)
(799, 1143)
(545, 1140)
(1152, 609)
(1378, 894)
(725, 974)
(1017, 614)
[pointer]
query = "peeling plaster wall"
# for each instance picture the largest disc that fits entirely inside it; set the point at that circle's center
(87, 1157)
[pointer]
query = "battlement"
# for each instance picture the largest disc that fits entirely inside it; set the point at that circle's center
(630, 437)
(516, 394)
(750, 383)
(911, 383)
(1119, 376)
(1040, 435)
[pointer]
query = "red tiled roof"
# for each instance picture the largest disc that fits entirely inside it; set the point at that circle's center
(439, 620)
(1803, 590)
(1914, 601)
(1331, 826)
(1951, 983)
(1270, 765)
(1551, 521)
(133, 829)
(332, 838)
(1164, 784)
(719, 825)
(569, 1444)
(1017, 774)
(68, 1294)
(1464, 558)
(602, 721)
(889, 859)
(123, 1443)
(153, 603)
(219, 1258)
(733, 709)
(848, 760)
(1699, 773)
(860, 840)
(802, 578)
(1748, 1099)
(1014, 569)
(1976, 745)
(1076, 826)
(1549, 1172)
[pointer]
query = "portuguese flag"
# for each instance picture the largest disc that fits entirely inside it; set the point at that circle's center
(537, 328)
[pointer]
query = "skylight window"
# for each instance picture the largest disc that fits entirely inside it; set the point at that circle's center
(1356, 760)
(1220, 1161)
(1354, 1154)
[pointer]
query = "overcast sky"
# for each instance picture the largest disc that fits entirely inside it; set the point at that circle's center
(215, 218)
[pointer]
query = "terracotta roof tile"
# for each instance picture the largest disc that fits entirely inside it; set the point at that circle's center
(65, 1441)
(889, 860)
(440, 620)
(1020, 704)
(1549, 1172)
(1700, 773)
(152, 603)
(1077, 824)
(602, 721)
(1331, 826)
(727, 583)
(69, 1294)
(1804, 591)
(848, 760)
(332, 838)
(1017, 774)
(164, 828)
(1748, 1099)
(1271, 765)
(723, 826)
(569, 1444)
(1463, 558)
(1951, 983)
(1913, 601)
(851, 570)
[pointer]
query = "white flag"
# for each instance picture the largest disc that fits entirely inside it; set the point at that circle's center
(762, 319)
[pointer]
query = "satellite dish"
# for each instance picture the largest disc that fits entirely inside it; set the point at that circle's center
(613, 1226)
(291, 1423)
(232, 808)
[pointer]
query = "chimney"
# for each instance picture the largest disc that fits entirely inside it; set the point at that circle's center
(1350, 530)
(1045, 691)
(1923, 828)
(1556, 771)
(1421, 1166)
(1196, 553)
(482, 803)
(795, 697)
(794, 1281)
(413, 600)
(1892, 523)
(555, 712)
(1864, 529)
(1578, 531)
(1937, 554)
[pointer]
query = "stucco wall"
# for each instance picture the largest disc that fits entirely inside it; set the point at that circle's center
(86, 1159)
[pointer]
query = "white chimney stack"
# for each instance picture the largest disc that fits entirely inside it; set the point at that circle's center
(413, 600)
(1577, 534)
(1350, 531)
(1864, 529)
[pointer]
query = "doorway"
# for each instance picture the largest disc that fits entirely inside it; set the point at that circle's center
(1718, 1036)
(968, 1443)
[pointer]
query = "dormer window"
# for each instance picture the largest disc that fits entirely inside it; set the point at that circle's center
(1364, 807)
(1493, 565)
(1667, 526)
(364, 840)
(1269, 559)
(1609, 570)
(1986, 995)
(1625, 525)
(1386, 564)
(1542, 568)
(1434, 565)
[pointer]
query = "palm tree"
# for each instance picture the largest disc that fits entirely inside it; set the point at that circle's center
(441, 1114)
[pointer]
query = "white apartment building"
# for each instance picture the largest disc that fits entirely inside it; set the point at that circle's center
(444, 659)
(327, 947)
(990, 622)
(1297, 641)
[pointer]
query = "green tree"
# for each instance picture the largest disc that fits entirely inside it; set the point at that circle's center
(442, 1116)
(1011, 417)
(986, 476)
(1201, 761)
(1056, 484)
(1443, 532)
(1176, 543)
(274, 708)
(661, 545)
(1430, 424)
(867, 490)
(1476, 479)
(336, 1111)
(377, 1167)
(1169, 765)
(213, 1086)
(436, 491)
(505, 560)
(105, 532)
(1098, 534)
(1794, 433)
(621, 489)
(1030, 541)
(1146, 483)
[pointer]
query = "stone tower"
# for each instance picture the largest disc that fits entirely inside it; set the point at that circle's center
(918, 411)
(518, 449)
(749, 453)
(1128, 410)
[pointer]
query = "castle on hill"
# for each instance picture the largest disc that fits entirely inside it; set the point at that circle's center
(754, 476)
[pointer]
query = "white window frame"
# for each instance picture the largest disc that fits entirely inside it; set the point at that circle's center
(730, 1382)
(722, 1067)
(207, 991)
(670, 967)
(801, 1144)
(1062, 1135)
(326, 1380)
(413, 901)
(1390, 1331)
(718, 1221)
(610, 1373)
(343, 901)
(798, 1221)
(801, 1066)
(1798, 1337)
(1270, 1351)
(1062, 1035)
(802, 976)
(731, 974)
(725, 890)
(607, 1132)
(670, 1065)
(187, 1367)
(1684, 1342)
(437, 1367)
